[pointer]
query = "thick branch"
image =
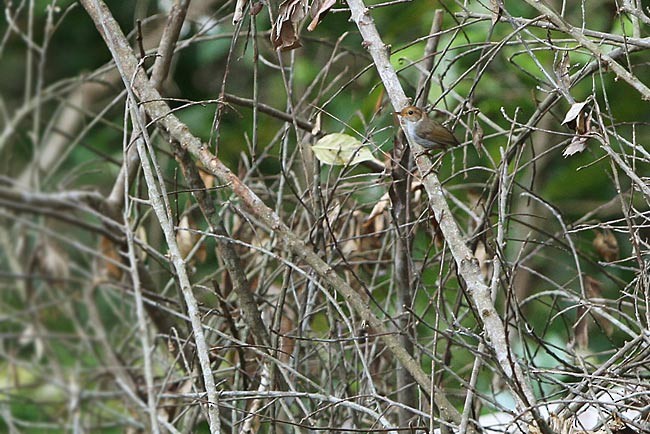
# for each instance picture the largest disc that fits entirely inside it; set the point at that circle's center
(158, 110)
(129, 69)
(235, 268)
(468, 266)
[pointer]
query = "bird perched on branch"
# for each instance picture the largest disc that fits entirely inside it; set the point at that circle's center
(426, 132)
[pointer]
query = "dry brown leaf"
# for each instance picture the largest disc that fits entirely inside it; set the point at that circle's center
(484, 260)
(201, 254)
(577, 145)
(584, 123)
(370, 232)
(560, 425)
(573, 113)
(184, 238)
(579, 120)
(207, 178)
(586, 316)
(109, 265)
(363, 234)
(606, 246)
(318, 10)
(141, 235)
(284, 34)
(438, 236)
(287, 343)
(256, 8)
(379, 207)
(595, 290)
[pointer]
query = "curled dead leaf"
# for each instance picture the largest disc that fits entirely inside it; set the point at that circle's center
(578, 118)
(577, 145)
(256, 8)
(583, 124)
(208, 179)
(594, 290)
(484, 260)
(284, 34)
(586, 315)
(438, 236)
(364, 234)
(318, 10)
(574, 112)
(109, 265)
(379, 207)
(374, 226)
(606, 246)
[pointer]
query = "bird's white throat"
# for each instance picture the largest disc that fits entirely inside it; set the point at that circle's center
(411, 128)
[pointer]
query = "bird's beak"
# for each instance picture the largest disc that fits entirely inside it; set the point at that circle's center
(397, 113)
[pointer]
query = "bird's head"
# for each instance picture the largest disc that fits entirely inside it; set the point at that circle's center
(411, 113)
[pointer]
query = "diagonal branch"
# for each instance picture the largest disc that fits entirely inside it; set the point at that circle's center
(129, 69)
(468, 266)
(158, 110)
(579, 36)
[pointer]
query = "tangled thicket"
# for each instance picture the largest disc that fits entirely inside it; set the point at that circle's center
(189, 244)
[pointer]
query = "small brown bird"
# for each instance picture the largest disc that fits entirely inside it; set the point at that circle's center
(426, 132)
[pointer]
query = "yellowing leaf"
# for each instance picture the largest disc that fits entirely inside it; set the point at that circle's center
(340, 149)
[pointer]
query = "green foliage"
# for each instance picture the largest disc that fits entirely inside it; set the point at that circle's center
(492, 75)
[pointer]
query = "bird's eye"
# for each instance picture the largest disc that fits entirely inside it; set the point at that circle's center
(410, 112)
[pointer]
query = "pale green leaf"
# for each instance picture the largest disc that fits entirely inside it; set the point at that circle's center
(338, 149)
